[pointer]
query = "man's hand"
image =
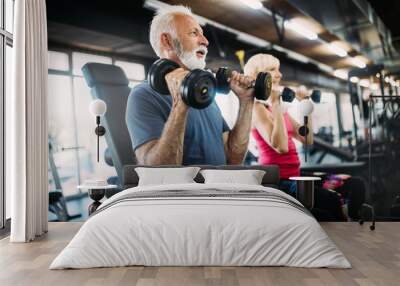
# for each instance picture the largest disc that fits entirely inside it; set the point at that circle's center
(174, 81)
(240, 85)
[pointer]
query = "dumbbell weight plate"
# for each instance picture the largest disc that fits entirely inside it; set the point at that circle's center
(222, 76)
(198, 88)
(263, 86)
(157, 72)
(316, 96)
(288, 95)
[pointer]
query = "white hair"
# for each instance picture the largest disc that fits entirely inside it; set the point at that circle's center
(163, 22)
(259, 63)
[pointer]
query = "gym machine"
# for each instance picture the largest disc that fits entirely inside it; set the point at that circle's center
(57, 202)
(383, 153)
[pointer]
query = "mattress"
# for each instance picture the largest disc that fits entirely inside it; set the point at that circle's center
(201, 225)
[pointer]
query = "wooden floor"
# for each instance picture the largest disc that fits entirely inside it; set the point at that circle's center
(375, 257)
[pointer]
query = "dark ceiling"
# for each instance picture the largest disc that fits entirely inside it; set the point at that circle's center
(120, 28)
(97, 25)
(388, 11)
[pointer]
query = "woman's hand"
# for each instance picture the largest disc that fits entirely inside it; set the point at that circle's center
(275, 96)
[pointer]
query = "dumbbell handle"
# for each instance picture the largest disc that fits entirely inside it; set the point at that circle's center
(315, 99)
(229, 72)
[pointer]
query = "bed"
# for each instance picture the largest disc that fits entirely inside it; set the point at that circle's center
(198, 224)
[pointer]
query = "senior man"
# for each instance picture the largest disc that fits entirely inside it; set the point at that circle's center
(163, 129)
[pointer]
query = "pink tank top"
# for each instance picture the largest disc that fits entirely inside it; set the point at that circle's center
(288, 163)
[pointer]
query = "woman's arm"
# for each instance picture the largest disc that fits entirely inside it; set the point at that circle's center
(271, 128)
(296, 134)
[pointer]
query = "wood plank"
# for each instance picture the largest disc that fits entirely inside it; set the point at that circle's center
(375, 257)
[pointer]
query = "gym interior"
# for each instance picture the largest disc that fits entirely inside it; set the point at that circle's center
(343, 120)
(345, 54)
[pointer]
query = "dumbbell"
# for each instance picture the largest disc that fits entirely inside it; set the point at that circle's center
(306, 108)
(288, 95)
(316, 96)
(262, 85)
(198, 88)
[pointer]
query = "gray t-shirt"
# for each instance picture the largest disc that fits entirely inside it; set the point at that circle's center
(148, 111)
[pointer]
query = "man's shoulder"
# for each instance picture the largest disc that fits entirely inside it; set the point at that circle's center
(142, 88)
(143, 92)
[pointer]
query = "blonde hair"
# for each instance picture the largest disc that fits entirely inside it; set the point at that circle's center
(163, 22)
(259, 63)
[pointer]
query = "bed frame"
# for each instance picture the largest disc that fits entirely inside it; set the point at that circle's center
(130, 178)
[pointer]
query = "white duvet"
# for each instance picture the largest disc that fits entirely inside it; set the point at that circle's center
(183, 231)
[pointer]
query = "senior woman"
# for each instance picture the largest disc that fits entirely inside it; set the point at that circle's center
(274, 130)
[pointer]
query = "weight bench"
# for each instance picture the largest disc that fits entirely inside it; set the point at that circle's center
(110, 84)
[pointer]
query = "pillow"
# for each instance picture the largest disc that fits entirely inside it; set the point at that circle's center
(165, 176)
(248, 177)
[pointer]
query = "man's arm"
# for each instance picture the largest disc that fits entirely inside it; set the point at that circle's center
(168, 150)
(237, 140)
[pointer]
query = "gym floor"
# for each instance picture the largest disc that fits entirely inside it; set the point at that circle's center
(374, 255)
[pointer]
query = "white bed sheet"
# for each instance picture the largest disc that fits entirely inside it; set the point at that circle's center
(200, 231)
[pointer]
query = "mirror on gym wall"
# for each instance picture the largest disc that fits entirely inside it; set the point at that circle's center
(119, 95)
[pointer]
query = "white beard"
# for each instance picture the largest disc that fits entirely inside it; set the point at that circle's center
(190, 59)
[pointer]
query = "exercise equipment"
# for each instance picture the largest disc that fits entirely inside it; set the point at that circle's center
(327, 148)
(57, 202)
(352, 168)
(262, 85)
(198, 88)
(110, 84)
(288, 94)
(316, 96)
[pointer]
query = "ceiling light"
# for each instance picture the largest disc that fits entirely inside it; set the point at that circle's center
(341, 74)
(354, 79)
(298, 57)
(359, 63)
(255, 4)
(300, 30)
(337, 50)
